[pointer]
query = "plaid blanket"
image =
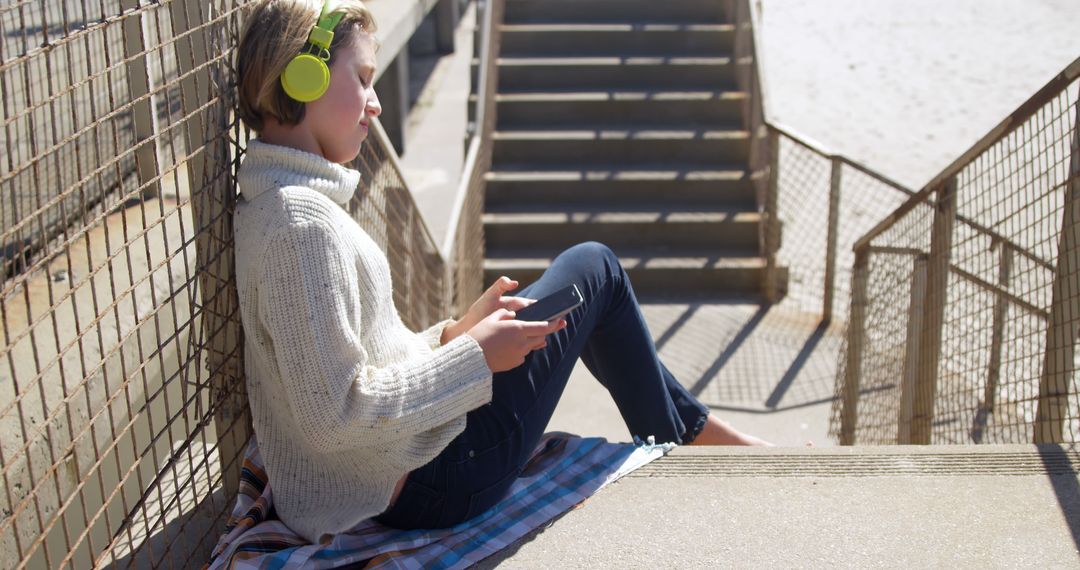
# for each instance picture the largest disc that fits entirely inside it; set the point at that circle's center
(563, 471)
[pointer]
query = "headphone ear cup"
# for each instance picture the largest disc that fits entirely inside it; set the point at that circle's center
(306, 78)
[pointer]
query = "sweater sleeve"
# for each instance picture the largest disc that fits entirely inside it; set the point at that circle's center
(310, 303)
(433, 334)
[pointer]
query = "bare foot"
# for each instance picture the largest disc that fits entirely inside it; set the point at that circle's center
(719, 432)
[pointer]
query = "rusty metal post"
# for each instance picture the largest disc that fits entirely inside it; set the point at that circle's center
(830, 247)
(212, 198)
(937, 281)
(916, 306)
(849, 415)
(1064, 311)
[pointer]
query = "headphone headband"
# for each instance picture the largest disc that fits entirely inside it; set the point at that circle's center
(307, 76)
(323, 32)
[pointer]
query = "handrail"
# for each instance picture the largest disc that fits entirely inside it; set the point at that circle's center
(1017, 117)
(472, 154)
(1014, 120)
(1022, 113)
(818, 148)
(916, 196)
(1000, 291)
(968, 276)
(920, 197)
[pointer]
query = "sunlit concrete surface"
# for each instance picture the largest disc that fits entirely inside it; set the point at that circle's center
(770, 371)
(885, 507)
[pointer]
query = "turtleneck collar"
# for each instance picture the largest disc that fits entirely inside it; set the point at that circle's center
(268, 166)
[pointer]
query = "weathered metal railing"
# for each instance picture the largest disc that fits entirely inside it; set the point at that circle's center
(464, 244)
(121, 373)
(818, 268)
(122, 398)
(798, 184)
(966, 302)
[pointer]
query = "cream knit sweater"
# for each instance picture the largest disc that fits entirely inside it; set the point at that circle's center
(344, 398)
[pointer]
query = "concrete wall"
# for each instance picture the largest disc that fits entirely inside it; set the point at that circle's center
(88, 373)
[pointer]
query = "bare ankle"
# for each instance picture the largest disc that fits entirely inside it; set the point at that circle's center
(719, 432)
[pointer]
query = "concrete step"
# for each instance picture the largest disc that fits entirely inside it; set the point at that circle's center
(639, 108)
(536, 11)
(691, 146)
(717, 188)
(937, 506)
(617, 39)
(560, 226)
(653, 271)
(597, 73)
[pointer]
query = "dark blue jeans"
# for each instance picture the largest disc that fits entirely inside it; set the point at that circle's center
(609, 334)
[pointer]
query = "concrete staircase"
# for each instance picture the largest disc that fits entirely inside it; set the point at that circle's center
(618, 122)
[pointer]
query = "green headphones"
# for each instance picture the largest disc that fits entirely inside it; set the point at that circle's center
(307, 76)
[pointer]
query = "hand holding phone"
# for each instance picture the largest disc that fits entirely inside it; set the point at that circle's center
(552, 307)
(506, 341)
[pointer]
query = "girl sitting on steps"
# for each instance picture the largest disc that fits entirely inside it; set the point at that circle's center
(356, 415)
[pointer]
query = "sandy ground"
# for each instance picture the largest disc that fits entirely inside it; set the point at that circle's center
(906, 86)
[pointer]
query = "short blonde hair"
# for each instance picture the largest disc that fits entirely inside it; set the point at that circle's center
(275, 32)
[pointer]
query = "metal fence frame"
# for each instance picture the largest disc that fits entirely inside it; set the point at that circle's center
(798, 182)
(988, 250)
(122, 393)
(828, 270)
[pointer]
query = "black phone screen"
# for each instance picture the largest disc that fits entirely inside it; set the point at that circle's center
(554, 305)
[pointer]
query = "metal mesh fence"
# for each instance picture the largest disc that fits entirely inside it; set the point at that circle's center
(968, 324)
(824, 204)
(814, 204)
(117, 331)
(464, 253)
(802, 192)
(122, 398)
(385, 209)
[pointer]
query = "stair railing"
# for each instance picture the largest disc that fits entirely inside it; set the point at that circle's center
(797, 184)
(464, 243)
(965, 300)
(123, 400)
(1020, 344)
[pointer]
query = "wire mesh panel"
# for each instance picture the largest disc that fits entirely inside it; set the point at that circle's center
(863, 201)
(121, 339)
(386, 210)
(465, 252)
(60, 84)
(999, 364)
(802, 205)
(824, 204)
(122, 398)
(1014, 194)
(889, 296)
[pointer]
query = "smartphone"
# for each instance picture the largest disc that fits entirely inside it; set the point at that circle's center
(552, 307)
